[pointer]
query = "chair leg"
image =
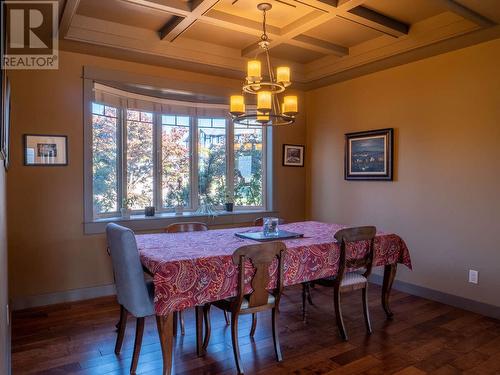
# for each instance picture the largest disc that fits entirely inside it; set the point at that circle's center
(175, 319)
(181, 319)
(226, 316)
(304, 304)
(276, 339)
(234, 339)
(206, 318)
(121, 329)
(254, 324)
(366, 310)
(139, 331)
(338, 313)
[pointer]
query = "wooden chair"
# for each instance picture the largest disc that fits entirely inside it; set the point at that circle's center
(261, 256)
(347, 281)
(187, 227)
(260, 221)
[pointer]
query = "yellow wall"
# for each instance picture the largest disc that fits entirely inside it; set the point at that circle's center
(48, 251)
(445, 199)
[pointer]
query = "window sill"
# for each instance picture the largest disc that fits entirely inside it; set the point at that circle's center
(160, 221)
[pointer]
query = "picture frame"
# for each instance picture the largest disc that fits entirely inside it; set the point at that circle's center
(369, 155)
(293, 155)
(45, 150)
(5, 124)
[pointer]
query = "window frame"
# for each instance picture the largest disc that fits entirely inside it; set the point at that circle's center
(193, 203)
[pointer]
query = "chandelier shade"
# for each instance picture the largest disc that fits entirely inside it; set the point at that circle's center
(271, 110)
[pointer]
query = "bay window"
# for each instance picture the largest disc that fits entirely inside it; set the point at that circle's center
(153, 152)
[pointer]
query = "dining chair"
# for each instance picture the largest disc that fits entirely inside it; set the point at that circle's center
(134, 293)
(259, 299)
(260, 221)
(347, 280)
(187, 227)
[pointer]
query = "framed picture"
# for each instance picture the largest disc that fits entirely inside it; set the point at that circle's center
(45, 150)
(368, 155)
(5, 126)
(293, 155)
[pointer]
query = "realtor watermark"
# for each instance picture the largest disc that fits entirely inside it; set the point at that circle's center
(31, 35)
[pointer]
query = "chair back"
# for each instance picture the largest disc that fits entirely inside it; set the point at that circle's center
(260, 221)
(261, 256)
(186, 227)
(131, 288)
(349, 235)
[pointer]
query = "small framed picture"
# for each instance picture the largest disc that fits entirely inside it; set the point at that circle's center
(293, 155)
(368, 155)
(45, 150)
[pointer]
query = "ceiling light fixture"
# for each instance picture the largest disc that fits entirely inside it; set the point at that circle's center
(270, 110)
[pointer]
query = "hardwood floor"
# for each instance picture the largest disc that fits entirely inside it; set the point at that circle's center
(425, 337)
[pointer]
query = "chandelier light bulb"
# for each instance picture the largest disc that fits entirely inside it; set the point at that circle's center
(283, 75)
(264, 101)
(254, 71)
(237, 105)
(290, 105)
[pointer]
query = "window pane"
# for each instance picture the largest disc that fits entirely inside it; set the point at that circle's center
(104, 160)
(211, 161)
(139, 160)
(248, 171)
(175, 161)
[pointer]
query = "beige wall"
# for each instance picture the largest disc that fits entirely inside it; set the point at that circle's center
(48, 251)
(4, 328)
(445, 199)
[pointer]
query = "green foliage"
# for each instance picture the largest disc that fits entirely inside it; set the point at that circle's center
(104, 164)
(212, 174)
(248, 192)
(175, 165)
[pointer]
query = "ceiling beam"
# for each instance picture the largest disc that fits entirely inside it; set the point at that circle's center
(305, 41)
(69, 11)
(169, 26)
(374, 20)
(467, 13)
(175, 7)
(171, 31)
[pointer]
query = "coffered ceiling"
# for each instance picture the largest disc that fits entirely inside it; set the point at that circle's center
(322, 40)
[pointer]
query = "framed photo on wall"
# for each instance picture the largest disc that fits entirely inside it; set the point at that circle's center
(45, 150)
(368, 155)
(293, 155)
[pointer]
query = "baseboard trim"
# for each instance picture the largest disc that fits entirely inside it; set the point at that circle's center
(448, 299)
(20, 303)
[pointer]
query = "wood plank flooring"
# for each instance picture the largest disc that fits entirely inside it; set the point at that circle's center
(425, 337)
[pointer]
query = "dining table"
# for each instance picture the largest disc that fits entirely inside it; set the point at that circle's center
(191, 269)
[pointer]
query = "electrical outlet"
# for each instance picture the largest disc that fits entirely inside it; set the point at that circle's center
(473, 276)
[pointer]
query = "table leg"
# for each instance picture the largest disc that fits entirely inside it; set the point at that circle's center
(165, 331)
(389, 275)
(199, 331)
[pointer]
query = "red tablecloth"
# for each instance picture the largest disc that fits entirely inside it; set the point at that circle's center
(194, 268)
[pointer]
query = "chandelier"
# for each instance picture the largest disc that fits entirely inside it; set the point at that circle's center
(270, 109)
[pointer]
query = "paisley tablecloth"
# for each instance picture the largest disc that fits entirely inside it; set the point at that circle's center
(195, 268)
